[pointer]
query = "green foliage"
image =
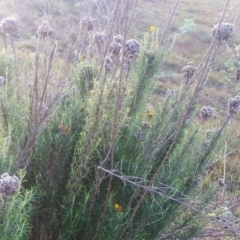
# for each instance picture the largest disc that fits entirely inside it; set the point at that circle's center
(5, 65)
(189, 24)
(84, 78)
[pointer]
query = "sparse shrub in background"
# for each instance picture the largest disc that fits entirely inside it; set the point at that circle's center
(100, 161)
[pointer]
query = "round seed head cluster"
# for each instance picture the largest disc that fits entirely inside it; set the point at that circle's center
(207, 112)
(131, 49)
(45, 30)
(87, 23)
(9, 25)
(189, 70)
(8, 185)
(100, 38)
(115, 48)
(108, 64)
(233, 104)
(118, 39)
(224, 31)
(170, 93)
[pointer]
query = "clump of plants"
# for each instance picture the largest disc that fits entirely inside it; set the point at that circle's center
(95, 157)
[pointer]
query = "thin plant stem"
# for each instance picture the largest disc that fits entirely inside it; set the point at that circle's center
(169, 21)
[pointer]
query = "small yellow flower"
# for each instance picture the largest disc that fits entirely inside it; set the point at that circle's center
(149, 114)
(117, 207)
(153, 28)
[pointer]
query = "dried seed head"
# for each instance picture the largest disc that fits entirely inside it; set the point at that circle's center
(45, 30)
(99, 38)
(9, 25)
(233, 104)
(131, 49)
(207, 112)
(87, 23)
(224, 31)
(189, 70)
(115, 48)
(8, 185)
(108, 64)
(118, 39)
(129, 53)
(170, 93)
